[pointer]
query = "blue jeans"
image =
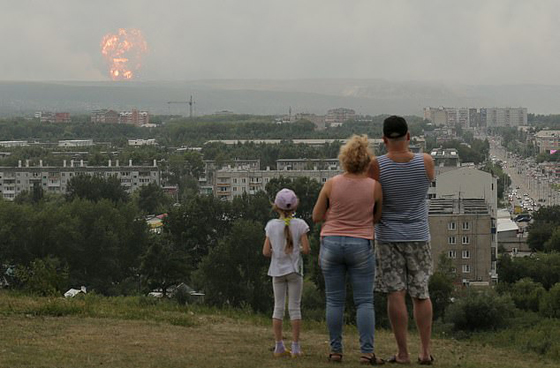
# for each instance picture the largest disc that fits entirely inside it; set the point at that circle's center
(339, 256)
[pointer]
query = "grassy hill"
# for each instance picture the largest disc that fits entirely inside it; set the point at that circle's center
(141, 332)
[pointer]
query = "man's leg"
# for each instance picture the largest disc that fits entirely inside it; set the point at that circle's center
(398, 315)
(423, 318)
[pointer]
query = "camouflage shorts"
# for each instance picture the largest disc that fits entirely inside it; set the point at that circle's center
(404, 266)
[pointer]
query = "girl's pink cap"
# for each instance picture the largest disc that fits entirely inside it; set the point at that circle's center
(286, 199)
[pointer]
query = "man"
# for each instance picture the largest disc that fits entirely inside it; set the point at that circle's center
(404, 261)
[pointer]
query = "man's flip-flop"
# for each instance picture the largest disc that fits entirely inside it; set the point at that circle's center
(427, 361)
(394, 360)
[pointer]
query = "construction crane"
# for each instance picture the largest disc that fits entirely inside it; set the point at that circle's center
(190, 102)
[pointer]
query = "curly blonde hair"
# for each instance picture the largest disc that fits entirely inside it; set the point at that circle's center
(355, 155)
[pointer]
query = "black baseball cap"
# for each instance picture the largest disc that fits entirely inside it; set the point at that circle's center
(395, 127)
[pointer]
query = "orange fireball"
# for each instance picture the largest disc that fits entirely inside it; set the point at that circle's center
(123, 52)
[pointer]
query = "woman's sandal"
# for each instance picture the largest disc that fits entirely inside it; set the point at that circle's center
(335, 358)
(371, 360)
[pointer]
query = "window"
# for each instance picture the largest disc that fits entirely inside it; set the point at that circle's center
(234, 180)
(466, 268)
(466, 240)
(454, 269)
(452, 254)
(466, 225)
(451, 240)
(466, 254)
(451, 226)
(243, 180)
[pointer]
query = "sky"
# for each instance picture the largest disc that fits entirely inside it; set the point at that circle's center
(455, 41)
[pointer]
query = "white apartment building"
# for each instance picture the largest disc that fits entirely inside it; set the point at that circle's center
(54, 179)
(231, 182)
(13, 143)
(477, 117)
(142, 142)
(76, 143)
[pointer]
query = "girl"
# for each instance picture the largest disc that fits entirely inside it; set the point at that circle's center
(286, 239)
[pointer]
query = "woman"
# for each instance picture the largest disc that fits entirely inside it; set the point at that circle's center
(349, 204)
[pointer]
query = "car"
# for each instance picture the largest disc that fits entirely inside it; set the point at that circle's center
(522, 218)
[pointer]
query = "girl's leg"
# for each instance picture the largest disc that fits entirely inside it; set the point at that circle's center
(279, 286)
(295, 286)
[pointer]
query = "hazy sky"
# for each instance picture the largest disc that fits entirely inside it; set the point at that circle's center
(475, 41)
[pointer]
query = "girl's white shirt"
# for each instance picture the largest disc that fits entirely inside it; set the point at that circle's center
(281, 263)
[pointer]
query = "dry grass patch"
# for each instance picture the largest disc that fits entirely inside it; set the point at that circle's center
(214, 341)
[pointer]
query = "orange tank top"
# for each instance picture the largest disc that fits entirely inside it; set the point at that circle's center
(350, 211)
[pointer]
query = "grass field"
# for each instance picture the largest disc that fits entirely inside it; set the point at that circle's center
(136, 332)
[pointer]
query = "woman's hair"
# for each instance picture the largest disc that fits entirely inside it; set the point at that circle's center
(287, 218)
(355, 155)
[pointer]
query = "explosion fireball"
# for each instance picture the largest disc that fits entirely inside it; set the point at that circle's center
(123, 53)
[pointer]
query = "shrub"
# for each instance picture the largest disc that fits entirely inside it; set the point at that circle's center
(526, 294)
(550, 302)
(44, 277)
(480, 311)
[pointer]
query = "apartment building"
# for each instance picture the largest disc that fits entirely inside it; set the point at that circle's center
(337, 117)
(466, 182)
(14, 143)
(308, 164)
(548, 141)
(54, 179)
(133, 117)
(472, 117)
(76, 143)
(464, 231)
(53, 117)
(142, 142)
(105, 116)
(231, 182)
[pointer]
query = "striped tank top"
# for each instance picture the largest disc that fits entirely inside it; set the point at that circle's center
(350, 212)
(404, 215)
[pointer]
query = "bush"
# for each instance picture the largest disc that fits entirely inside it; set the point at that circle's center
(480, 311)
(43, 277)
(550, 302)
(526, 294)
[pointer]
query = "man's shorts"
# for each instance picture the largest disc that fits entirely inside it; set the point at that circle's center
(404, 266)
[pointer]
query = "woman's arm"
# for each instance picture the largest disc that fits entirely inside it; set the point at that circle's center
(378, 194)
(267, 249)
(304, 244)
(321, 205)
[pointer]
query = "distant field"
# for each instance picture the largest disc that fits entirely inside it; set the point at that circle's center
(135, 332)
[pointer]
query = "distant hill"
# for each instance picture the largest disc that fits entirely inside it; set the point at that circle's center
(368, 96)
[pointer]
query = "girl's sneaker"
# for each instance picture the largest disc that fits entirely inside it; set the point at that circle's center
(281, 354)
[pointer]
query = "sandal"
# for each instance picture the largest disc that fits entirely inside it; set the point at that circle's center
(393, 360)
(427, 361)
(371, 360)
(335, 358)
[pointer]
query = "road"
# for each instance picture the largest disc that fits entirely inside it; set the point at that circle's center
(524, 175)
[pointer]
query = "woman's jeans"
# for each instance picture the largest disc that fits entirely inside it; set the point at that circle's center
(341, 256)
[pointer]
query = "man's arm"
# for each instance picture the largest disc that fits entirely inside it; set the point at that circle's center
(430, 166)
(373, 171)
(378, 203)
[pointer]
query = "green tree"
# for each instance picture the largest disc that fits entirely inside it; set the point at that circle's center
(235, 272)
(95, 188)
(151, 199)
(441, 286)
(163, 265)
